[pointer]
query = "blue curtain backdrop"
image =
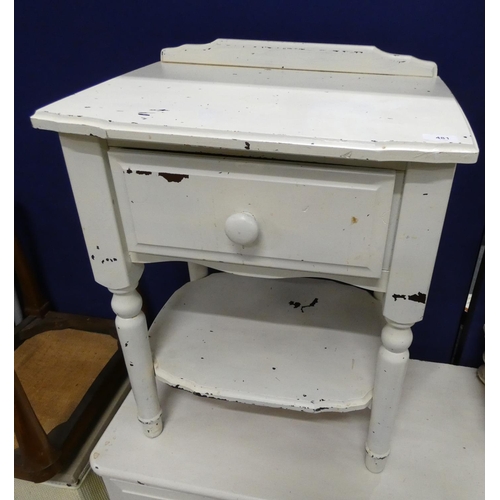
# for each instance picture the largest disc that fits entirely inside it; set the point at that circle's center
(64, 47)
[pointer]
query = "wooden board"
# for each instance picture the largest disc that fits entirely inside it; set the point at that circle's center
(253, 110)
(290, 206)
(303, 344)
(301, 56)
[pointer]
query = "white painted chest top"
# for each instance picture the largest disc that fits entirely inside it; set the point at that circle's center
(268, 160)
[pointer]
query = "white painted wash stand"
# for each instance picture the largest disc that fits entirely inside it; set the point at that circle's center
(268, 160)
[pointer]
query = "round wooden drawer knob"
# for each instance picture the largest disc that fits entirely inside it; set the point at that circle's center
(242, 228)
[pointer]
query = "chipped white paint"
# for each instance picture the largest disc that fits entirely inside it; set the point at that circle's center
(373, 140)
(392, 361)
(205, 191)
(255, 110)
(421, 217)
(282, 343)
(300, 56)
(133, 334)
(88, 169)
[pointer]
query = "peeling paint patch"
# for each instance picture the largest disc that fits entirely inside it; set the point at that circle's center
(354, 220)
(397, 296)
(143, 172)
(418, 297)
(296, 305)
(201, 395)
(312, 304)
(247, 145)
(107, 259)
(173, 177)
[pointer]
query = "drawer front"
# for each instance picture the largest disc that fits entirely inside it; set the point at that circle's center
(125, 490)
(262, 213)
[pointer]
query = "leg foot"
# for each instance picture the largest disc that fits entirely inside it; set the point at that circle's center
(375, 463)
(152, 428)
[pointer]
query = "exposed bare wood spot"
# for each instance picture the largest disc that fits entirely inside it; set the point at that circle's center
(312, 304)
(173, 177)
(398, 296)
(418, 297)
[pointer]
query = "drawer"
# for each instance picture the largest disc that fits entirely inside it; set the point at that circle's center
(326, 219)
(127, 490)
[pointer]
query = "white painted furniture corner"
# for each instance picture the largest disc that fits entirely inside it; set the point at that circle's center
(268, 160)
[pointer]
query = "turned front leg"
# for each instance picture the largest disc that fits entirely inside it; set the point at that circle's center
(133, 334)
(392, 362)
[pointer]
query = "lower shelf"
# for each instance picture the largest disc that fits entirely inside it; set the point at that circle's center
(304, 344)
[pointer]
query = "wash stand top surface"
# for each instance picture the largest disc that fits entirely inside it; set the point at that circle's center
(319, 101)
